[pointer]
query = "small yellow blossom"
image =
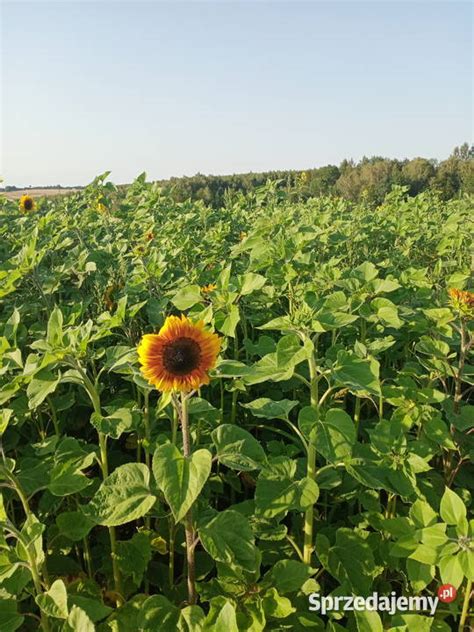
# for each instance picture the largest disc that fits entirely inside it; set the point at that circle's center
(207, 289)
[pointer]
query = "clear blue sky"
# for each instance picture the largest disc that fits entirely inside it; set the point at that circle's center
(224, 87)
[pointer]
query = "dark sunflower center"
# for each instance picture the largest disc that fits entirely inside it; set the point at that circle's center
(181, 356)
(28, 204)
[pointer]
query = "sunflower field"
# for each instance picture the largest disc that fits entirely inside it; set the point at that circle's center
(210, 415)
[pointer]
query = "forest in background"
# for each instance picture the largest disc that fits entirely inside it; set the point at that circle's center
(369, 180)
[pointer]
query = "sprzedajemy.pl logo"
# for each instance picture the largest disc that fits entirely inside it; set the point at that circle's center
(382, 603)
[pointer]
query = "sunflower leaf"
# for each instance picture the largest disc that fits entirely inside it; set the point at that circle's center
(180, 478)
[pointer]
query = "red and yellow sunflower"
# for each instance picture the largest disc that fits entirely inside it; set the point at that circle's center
(461, 299)
(27, 203)
(179, 356)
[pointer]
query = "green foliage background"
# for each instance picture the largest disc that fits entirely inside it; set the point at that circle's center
(338, 422)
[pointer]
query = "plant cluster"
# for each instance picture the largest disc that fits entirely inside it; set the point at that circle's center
(318, 438)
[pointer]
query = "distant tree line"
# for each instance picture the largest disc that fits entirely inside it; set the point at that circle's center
(370, 178)
(12, 187)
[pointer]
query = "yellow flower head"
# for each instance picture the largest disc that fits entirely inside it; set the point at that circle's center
(461, 299)
(179, 356)
(27, 203)
(101, 207)
(149, 236)
(207, 289)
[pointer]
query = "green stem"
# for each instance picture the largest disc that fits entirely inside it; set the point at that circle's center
(391, 506)
(363, 334)
(222, 400)
(233, 413)
(146, 418)
(37, 583)
(295, 546)
(357, 414)
(174, 427)
(465, 605)
(172, 526)
(87, 557)
(104, 464)
(459, 373)
(54, 417)
(311, 464)
(171, 553)
(188, 520)
(28, 513)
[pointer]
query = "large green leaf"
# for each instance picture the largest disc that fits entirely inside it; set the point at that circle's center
(222, 616)
(452, 509)
(251, 282)
(237, 448)
(277, 492)
(352, 560)
(74, 525)
(368, 621)
(43, 384)
(229, 322)
(133, 556)
(270, 409)
(187, 297)
(79, 621)
(357, 374)
(287, 575)
(228, 538)
(70, 459)
(157, 613)
(333, 434)
(180, 479)
(290, 350)
(10, 619)
(121, 420)
(124, 496)
(451, 570)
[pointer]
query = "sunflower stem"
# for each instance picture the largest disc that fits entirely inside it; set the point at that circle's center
(311, 463)
(104, 465)
(188, 520)
(172, 526)
(465, 605)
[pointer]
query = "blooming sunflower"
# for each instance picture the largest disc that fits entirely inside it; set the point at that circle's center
(27, 203)
(207, 289)
(179, 356)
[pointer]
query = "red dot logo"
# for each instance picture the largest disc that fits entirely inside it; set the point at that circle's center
(447, 593)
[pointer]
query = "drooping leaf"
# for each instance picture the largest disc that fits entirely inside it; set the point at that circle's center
(53, 602)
